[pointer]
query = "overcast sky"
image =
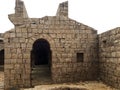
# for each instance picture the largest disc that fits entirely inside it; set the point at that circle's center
(102, 15)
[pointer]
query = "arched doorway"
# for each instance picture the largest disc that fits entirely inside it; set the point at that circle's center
(41, 53)
(41, 62)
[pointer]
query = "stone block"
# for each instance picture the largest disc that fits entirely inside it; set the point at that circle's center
(7, 56)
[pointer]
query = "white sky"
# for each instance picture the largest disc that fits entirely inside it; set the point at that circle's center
(102, 15)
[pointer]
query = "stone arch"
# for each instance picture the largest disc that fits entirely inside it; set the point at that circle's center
(32, 39)
(43, 36)
(41, 52)
(51, 43)
(47, 37)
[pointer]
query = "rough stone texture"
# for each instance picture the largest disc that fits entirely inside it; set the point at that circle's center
(1, 80)
(109, 57)
(67, 37)
(1, 42)
(1, 49)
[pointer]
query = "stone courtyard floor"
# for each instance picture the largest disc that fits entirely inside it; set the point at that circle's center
(88, 85)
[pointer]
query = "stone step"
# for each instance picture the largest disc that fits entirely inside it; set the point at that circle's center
(41, 71)
(41, 75)
(1, 67)
(40, 67)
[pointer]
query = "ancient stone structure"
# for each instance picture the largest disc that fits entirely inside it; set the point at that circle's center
(61, 48)
(1, 49)
(109, 57)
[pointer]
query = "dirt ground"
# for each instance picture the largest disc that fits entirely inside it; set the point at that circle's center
(88, 85)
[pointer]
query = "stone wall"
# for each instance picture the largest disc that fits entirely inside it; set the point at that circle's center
(75, 49)
(66, 37)
(1, 42)
(1, 49)
(109, 57)
(63, 10)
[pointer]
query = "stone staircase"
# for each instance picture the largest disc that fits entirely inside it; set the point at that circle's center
(41, 75)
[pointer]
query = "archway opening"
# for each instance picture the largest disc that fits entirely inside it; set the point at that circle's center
(41, 62)
(41, 53)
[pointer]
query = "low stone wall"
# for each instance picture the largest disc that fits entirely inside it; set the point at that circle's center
(109, 57)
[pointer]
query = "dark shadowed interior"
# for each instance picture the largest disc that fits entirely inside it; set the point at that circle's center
(2, 57)
(41, 53)
(40, 62)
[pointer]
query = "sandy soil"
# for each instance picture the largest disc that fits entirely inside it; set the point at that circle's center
(88, 85)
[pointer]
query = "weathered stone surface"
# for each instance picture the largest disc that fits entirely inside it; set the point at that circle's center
(67, 37)
(109, 55)
(1, 49)
(68, 40)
